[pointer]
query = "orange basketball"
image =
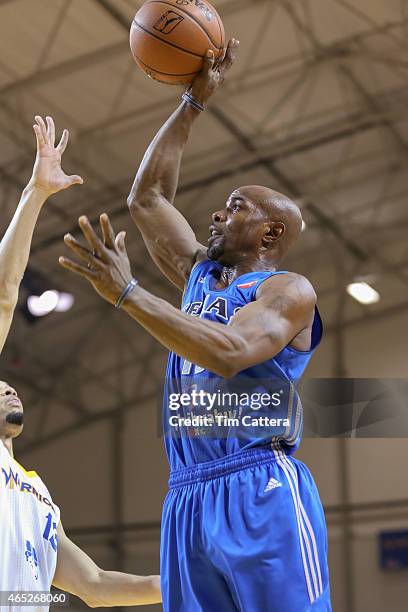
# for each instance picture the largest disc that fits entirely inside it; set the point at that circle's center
(169, 38)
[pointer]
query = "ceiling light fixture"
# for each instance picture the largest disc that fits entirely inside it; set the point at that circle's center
(363, 293)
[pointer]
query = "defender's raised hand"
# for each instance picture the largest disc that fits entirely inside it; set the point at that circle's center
(48, 178)
(104, 263)
(48, 174)
(212, 76)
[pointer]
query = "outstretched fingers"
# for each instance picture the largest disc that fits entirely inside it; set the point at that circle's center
(120, 242)
(43, 129)
(107, 231)
(77, 268)
(62, 145)
(230, 56)
(91, 237)
(75, 179)
(51, 130)
(82, 253)
(39, 137)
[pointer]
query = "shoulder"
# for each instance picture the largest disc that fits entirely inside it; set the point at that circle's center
(289, 291)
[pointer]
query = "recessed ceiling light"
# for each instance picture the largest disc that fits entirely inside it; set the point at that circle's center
(41, 305)
(65, 302)
(363, 293)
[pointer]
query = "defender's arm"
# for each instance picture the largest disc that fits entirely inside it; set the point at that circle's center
(48, 178)
(14, 252)
(77, 574)
(169, 238)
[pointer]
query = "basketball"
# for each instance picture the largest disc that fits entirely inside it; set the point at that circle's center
(169, 38)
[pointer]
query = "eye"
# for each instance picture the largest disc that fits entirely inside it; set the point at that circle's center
(235, 207)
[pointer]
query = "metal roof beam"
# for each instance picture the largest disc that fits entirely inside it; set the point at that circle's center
(63, 69)
(114, 12)
(102, 55)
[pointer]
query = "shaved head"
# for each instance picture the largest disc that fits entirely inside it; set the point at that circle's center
(277, 208)
(257, 224)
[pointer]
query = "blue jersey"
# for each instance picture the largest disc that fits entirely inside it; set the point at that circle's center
(192, 442)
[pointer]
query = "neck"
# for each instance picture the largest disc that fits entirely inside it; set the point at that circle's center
(231, 272)
(8, 443)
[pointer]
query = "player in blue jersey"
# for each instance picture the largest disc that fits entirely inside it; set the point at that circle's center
(243, 527)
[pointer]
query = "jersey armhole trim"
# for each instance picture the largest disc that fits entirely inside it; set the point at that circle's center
(317, 325)
(317, 334)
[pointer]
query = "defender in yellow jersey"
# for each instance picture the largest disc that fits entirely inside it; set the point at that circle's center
(34, 549)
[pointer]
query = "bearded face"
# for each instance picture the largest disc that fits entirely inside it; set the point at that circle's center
(11, 411)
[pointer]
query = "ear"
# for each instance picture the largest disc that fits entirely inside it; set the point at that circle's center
(273, 232)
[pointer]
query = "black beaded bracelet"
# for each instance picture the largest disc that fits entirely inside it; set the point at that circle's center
(187, 97)
(127, 290)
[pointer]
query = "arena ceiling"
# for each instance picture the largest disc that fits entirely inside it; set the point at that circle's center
(316, 106)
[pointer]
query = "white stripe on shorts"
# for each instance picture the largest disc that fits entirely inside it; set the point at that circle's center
(301, 529)
(292, 468)
(312, 561)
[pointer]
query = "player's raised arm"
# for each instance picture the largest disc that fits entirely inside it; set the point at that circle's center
(48, 178)
(169, 238)
(77, 574)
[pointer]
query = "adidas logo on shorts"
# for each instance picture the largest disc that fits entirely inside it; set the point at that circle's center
(272, 484)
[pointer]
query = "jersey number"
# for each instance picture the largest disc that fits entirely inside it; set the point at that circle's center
(50, 532)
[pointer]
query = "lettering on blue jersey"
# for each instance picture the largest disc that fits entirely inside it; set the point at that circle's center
(195, 309)
(50, 532)
(219, 308)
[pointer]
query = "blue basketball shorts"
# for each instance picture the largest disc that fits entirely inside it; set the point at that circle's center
(245, 533)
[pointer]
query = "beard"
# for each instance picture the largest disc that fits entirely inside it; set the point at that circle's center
(15, 417)
(216, 249)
